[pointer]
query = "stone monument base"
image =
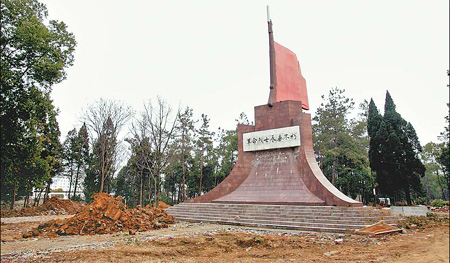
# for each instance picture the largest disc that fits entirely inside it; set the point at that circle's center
(277, 176)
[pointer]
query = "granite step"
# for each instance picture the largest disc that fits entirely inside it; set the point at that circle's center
(241, 220)
(277, 216)
(292, 214)
(305, 218)
(280, 209)
(285, 213)
(279, 225)
(274, 217)
(274, 207)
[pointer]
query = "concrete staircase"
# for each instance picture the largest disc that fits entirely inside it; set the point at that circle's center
(332, 219)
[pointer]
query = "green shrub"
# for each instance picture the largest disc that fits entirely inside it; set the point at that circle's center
(438, 203)
(421, 201)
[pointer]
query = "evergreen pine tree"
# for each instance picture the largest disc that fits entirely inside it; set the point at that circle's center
(393, 153)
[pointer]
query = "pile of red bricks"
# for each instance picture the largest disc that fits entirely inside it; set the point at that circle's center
(105, 215)
(51, 206)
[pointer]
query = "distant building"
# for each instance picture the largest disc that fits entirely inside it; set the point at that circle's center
(60, 188)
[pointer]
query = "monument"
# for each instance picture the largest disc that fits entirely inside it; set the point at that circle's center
(276, 163)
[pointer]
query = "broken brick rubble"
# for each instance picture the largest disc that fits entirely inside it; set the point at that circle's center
(105, 215)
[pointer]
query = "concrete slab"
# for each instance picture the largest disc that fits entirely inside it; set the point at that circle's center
(409, 210)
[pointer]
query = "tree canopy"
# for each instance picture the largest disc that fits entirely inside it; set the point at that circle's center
(340, 144)
(394, 153)
(34, 55)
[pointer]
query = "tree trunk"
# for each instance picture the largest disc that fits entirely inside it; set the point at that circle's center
(13, 197)
(102, 180)
(47, 190)
(167, 192)
(149, 190)
(335, 162)
(180, 192)
(38, 199)
(374, 190)
(184, 179)
(35, 198)
(71, 178)
(70, 188)
(27, 200)
(103, 164)
(156, 192)
(172, 197)
(201, 176)
(441, 185)
(28, 193)
(408, 195)
(141, 191)
(333, 175)
(215, 176)
(76, 182)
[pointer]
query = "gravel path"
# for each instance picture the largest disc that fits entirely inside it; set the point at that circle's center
(40, 246)
(18, 220)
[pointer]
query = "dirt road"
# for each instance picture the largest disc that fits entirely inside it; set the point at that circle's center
(186, 242)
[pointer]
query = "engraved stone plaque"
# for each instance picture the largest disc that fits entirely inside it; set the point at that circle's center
(272, 139)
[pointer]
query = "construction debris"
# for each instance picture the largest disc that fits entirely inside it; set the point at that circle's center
(161, 205)
(422, 222)
(443, 209)
(53, 206)
(105, 215)
(378, 229)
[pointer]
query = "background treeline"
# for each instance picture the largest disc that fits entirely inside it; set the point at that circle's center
(171, 154)
(174, 156)
(370, 155)
(168, 154)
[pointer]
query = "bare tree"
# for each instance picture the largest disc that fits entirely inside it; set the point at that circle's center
(141, 154)
(186, 128)
(161, 124)
(204, 144)
(105, 119)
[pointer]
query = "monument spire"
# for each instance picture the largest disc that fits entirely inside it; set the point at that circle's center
(273, 78)
(276, 163)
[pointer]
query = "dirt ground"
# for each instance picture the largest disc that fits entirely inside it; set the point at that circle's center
(422, 241)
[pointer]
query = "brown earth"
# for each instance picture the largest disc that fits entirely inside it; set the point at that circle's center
(53, 206)
(105, 215)
(425, 240)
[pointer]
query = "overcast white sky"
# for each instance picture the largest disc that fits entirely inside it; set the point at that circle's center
(213, 55)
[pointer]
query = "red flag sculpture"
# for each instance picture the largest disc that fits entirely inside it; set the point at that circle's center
(286, 80)
(291, 85)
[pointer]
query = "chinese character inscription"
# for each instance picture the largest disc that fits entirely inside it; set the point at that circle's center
(271, 139)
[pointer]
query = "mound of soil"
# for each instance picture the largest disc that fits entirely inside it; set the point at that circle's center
(53, 206)
(105, 215)
(161, 204)
(443, 209)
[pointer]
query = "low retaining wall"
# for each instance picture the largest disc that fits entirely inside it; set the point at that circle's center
(409, 210)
